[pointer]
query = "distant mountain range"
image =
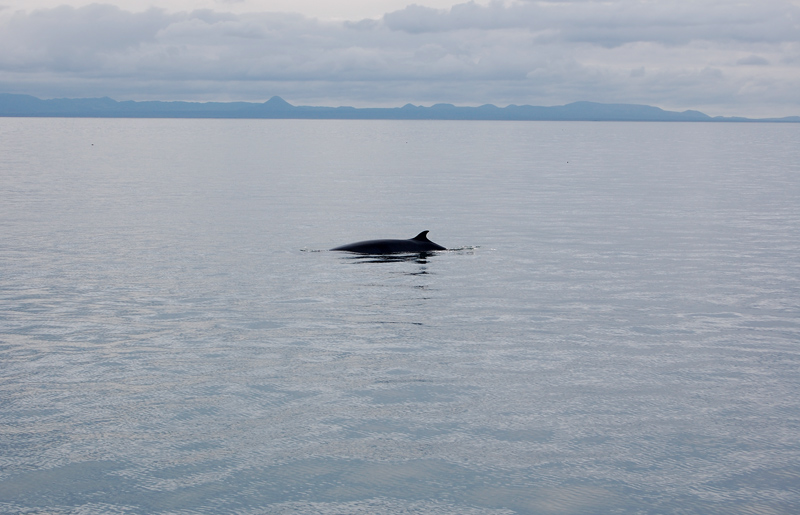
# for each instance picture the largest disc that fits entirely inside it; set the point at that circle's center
(278, 108)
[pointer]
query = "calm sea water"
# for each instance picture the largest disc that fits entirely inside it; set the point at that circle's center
(616, 330)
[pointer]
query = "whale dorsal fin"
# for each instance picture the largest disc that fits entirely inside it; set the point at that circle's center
(423, 236)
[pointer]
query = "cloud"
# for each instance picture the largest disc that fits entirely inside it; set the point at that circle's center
(753, 60)
(64, 31)
(673, 54)
(615, 23)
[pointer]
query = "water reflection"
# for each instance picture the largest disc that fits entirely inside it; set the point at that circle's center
(412, 257)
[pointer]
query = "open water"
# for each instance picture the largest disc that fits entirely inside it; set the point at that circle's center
(616, 330)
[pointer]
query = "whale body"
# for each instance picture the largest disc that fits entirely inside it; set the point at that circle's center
(419, 243)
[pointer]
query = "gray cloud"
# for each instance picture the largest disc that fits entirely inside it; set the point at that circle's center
(67, 33)
(753, 60)
(615, 23)
(677, 55)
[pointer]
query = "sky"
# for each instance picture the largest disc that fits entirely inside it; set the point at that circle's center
(721, 57)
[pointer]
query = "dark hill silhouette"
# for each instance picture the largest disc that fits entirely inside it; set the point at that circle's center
(276, 107)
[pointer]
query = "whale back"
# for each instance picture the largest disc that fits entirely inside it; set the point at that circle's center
(419, 243)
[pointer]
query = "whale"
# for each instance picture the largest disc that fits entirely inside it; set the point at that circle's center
(419, 243)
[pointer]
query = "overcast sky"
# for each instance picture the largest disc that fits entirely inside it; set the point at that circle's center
(722, 57)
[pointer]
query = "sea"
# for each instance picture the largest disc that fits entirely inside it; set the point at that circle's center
(615, 328)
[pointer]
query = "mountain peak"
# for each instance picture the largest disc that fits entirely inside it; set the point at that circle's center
(277, 102)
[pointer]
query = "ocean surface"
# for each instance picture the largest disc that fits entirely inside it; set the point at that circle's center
(615, 330)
